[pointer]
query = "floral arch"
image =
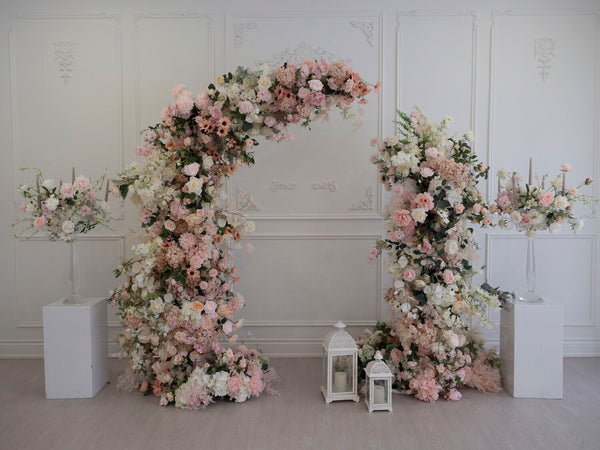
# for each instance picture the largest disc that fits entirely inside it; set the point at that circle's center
(177, 301)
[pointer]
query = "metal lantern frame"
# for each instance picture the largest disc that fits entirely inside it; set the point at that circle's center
(336, 344)
(378, 370)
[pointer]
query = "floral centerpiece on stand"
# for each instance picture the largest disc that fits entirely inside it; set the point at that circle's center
(547, 205)
(429, 343)
(177, 301)
(63, 212)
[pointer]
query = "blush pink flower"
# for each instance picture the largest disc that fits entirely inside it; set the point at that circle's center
(255, 386)
(526, 219)
(427, 172)
(85, 210)
(234, 384)
(67, 190)
(396, 355)
(315, 85)
(372, 256)
(431, 152)
(423, 200)
(169, 225)
(245, 107)
(402, 218)
(39, 222)
(191, 169)
(82, 183)
(453, 395)
(398, 189)
(409, 274)
(459, 208)
(546, 199)
(448, 276)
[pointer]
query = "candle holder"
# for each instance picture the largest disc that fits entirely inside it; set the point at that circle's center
(340, 360)
(378, 396)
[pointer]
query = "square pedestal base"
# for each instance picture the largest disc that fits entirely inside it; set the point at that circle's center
(75, 348)
(531, 349)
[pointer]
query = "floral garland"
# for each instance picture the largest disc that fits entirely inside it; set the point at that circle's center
(429, 344)
(64, 211)
(176, 298)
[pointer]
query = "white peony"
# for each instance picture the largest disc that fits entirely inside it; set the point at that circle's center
(451, 247)
(392, 140)
(515, 217)
(561, 202)
(554, 227)
(68, 227)
(157, 306)
(49, 183)
(502, 174)
(51, 203)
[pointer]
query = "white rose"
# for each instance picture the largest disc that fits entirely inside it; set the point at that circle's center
(451, 247)
(419, 215)
(82, 183)
(49, 183)
(402, 262)
(554, 227)
(392, 140)
(68, 227)
(207, 162)
(451, 338)
(469, 136)
(194, 186)
(578, 225)
(52, 203)
(157, 306)
(250, 226)
(515, 217)
(561, 202)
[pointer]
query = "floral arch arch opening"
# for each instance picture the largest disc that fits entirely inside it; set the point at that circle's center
(177, 300)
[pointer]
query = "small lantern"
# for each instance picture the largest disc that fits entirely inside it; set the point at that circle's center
(379, 385)
(339, 366)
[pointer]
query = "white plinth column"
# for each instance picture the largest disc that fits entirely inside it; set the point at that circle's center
(531, 349)
(75, 348)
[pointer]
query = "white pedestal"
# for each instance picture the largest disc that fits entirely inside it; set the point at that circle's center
(75, 348)
(531, 349)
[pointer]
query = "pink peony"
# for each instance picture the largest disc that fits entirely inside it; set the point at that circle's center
(67, 190)
(85, 210)
(191, 169)
(402, 218)
(546, 199)
(234, 384)
(423, 200)
(40, 222)
(431, 152)
(245, 107)
(427, 172)
(398, 189)
(255, 386)
(396, 355)
(453, 395)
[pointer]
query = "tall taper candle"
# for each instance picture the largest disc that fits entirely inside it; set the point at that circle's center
(37, 185)
(530, 170)
(498, 185)
(514, 189)
(106, 193)
(563, 184)
(543, 181)
(73, 175)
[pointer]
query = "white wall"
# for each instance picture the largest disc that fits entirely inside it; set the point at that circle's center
(319, 199)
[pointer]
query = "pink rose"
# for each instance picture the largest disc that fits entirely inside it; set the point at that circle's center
(426, 247)
(228, 327)
(245, 107)
(196, 262)
(170, 225)
(396, 355)
(82, 183)
(39, 222)
(526, 219)
(255, 386)
(427, 172)
(461, 373)
(303, 92)
(459, 208)
(454, 395)
(409, 274)
(67, 190)
(191, 169)
(398, 189)
(423, 200)
(85, 210)
(477, 208)
(546, 199)
(431, 152)
(448, 276)
(210, 306)
(315, 85)
(565, 168)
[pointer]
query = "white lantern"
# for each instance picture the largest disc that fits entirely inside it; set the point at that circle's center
(379, 385)
(339, 366)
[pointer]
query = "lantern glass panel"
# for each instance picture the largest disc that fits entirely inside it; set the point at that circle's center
(324, 369)
(380, 392)
(342, 373)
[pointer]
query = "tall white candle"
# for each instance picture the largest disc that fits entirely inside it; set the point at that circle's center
(563, 184)
(378, 395)
(530, 170)
(339, 382)
(498, 185)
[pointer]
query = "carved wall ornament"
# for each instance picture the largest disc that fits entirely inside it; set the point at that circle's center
(239, 32)
(279, 185)
(364, 204)
(368, 29)
(544, 55)
(245, 202)
(330, 186)
(64, 55)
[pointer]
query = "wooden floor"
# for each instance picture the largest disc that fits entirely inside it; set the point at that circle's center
(297, 418)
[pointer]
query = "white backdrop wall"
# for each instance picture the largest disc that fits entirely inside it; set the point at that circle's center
(79, 80)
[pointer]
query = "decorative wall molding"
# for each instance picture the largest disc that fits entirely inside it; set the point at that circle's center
(239, 32)
(301, 52)
(64, 55)
(330, 186)
(367, 28)
(543, 51)
(279, 185)
(364, 204)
